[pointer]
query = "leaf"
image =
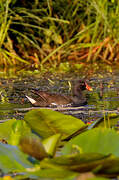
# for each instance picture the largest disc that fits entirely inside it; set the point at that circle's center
(52, 173)
(32, 145)
(107, 165)
(12, 130)
(12, 159)
(57, 38)
(73, 161)
(19, 129)
(78, 66)
(6, 128)
(98, 140)
(64, 67)
(47, 122)
(50, 144)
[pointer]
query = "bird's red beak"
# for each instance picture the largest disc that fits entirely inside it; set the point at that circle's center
(89, 88)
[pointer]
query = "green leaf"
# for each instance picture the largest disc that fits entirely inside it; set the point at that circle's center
(87, 162)
(98, 140)
(12, 159)
(75, 160)
(47, 122)
(78, 66)
(6, 128)
(52, 173)
(19, 129)
(57, 38)
(64, 67)
(50, 144)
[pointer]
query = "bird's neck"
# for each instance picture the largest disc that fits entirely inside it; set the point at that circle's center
(77, 91)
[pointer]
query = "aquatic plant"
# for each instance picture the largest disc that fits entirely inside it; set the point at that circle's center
(45, 35)
(32, 148)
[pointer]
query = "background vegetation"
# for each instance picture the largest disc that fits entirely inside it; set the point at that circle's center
(64, 35)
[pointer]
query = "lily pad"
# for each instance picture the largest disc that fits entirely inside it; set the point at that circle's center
(98, 140)
(12, 130)
(19, 129)
(12, 159)
(50, 144)
(52, 173)
(47, 122)
(6, 128)
(107, 165)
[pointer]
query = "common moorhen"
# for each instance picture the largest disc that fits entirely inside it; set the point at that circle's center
(46, 99)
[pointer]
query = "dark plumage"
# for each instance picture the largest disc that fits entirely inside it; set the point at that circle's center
(46, 99)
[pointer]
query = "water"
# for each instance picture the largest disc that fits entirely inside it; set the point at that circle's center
(103, 100)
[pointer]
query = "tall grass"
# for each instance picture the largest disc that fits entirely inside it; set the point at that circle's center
(42, 34)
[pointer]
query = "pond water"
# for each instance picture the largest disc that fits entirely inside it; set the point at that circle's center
(103, 101)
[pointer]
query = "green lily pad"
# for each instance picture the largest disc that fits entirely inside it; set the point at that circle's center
(19, 129)
(12, 159)
(12, 130)
(47, 122)
(98, 140)
(6, 128)
(50, 144)
(107, 165)
(75, 160)
(52, 173)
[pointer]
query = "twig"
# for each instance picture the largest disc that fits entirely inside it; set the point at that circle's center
(55, 109)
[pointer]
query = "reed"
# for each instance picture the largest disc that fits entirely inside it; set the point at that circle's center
(44, 35)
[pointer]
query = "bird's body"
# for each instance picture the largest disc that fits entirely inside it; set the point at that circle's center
(46, 99)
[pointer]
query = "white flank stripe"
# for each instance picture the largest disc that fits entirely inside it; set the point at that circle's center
(33, 101)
